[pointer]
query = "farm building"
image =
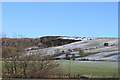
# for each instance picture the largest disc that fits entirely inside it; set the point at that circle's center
(109, 44)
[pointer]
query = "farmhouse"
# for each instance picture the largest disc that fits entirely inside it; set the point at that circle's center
(109, 44)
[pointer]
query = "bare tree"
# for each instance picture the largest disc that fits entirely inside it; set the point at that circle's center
(36, 65)
(3, 35)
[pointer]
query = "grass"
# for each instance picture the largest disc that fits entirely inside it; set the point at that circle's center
(0, 69)
(110, 55)
(84, 55)
(87, 54)
(97, 69)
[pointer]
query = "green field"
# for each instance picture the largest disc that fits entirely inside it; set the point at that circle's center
(0, 69)
(96, 69)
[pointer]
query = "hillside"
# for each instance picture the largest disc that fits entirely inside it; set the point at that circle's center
(60, 56)
(19, 45)
(81, 49)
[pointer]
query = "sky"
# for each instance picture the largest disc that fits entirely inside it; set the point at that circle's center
(80, 19)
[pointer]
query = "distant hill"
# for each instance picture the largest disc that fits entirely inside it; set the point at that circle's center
(50, 41)
(64, 47)
(79, 48)
(19, 44)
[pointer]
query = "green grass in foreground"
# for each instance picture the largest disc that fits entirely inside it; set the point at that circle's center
(0, 69)
(97, 69)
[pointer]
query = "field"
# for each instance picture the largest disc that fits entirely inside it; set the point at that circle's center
(96, 69)
(94, 50)
(0, 69)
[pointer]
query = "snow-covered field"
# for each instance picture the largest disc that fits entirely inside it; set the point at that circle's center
(101, 56)
(87, 45)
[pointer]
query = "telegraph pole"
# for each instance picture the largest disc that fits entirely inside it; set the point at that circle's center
(69, 66)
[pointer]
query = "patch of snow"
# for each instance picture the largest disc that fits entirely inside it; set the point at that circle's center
(74, 38)
(100, 55)
(80, 44)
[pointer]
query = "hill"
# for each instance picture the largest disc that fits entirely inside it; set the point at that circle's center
(80, 49)
(60, 56)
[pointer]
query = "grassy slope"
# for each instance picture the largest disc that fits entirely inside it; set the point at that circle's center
(109, 55)
(98, 69)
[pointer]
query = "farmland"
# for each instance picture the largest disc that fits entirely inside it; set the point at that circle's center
(96, 69)
(60, 57)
